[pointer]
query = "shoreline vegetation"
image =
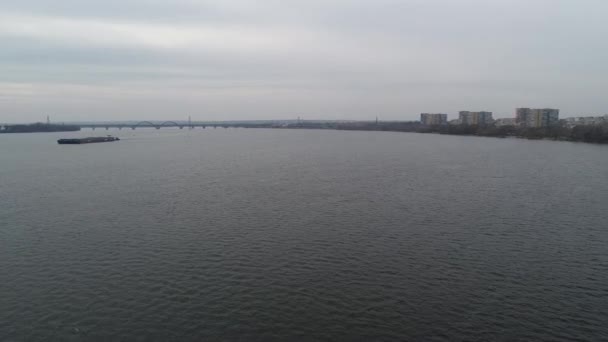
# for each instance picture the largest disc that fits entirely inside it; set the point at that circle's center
(597, 134)
(38, 128)
(590, 134)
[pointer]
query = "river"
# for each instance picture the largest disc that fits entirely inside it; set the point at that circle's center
(262, 234)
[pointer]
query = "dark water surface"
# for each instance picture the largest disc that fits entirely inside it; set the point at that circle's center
(245, 234)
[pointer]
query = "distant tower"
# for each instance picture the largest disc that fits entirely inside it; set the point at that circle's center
(189, 121)
(376, 120)
(48, 120)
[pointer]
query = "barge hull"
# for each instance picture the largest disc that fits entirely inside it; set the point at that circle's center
(86, 140)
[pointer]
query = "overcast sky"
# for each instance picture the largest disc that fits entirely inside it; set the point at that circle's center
(280, 59)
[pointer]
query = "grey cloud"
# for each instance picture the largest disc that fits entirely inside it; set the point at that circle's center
(321, 58)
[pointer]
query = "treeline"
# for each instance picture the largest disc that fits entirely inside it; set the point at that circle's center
(394, 126)
(38, 127)
(591, 134)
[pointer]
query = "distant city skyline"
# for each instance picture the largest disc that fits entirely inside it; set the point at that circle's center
(461, 117)
(314, 59)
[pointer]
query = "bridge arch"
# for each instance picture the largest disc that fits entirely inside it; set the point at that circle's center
(158, 126)
(144, 123)
(170, 124)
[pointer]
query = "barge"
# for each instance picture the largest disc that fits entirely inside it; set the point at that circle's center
(87, 140)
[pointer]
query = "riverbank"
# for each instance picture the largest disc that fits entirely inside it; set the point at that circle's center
(38, 128)
(589, 134)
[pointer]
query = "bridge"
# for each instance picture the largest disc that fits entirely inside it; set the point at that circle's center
(150, 124)
(159, 124)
